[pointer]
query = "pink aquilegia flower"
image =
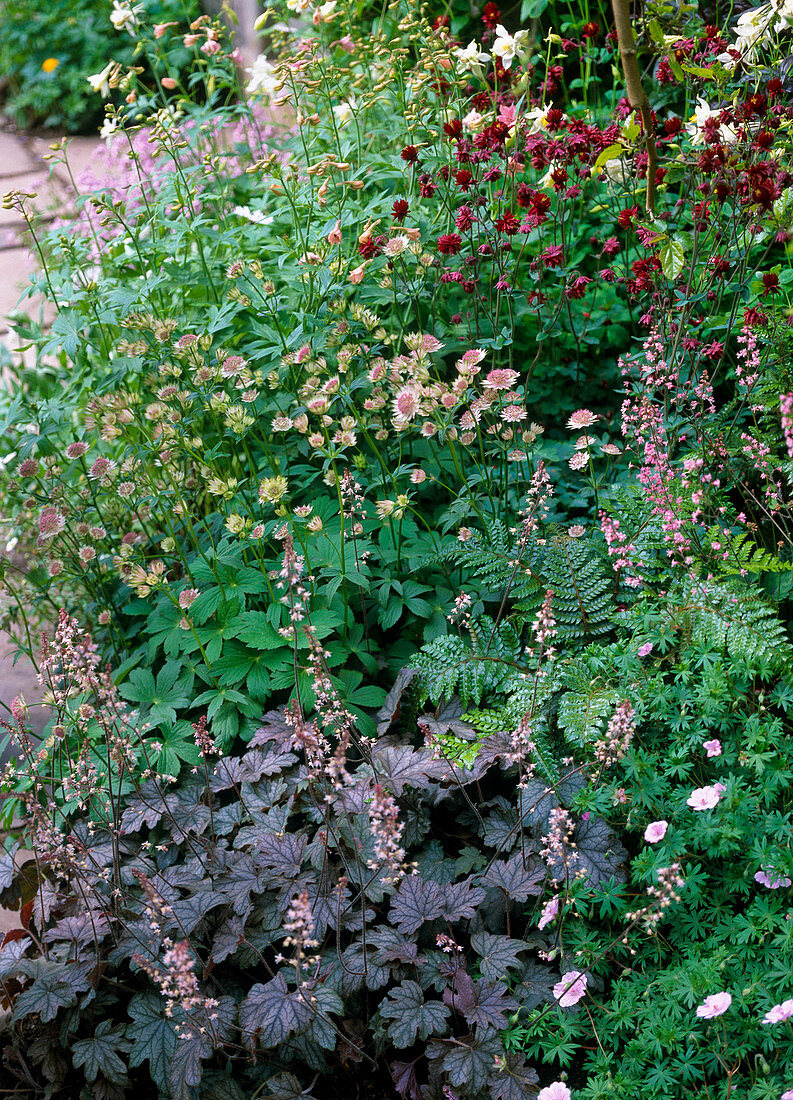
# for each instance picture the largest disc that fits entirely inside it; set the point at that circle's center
(777, 1014)
(557, 1090)
(712, 748)
(772, 881)
(704, 798)
(549, 911)
(655, 831)
(571, 988)
(714, 1005)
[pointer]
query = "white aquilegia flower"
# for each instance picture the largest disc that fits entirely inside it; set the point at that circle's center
(345, 112)
(125, 16)
(100, 82)
(507, 46)
(263, 77)
(696, 127)
(472, 57)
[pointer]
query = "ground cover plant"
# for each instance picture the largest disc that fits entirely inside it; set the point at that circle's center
(405, 489)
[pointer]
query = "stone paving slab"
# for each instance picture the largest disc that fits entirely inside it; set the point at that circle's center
(14, 155)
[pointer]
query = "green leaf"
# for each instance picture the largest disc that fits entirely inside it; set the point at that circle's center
(673, 258)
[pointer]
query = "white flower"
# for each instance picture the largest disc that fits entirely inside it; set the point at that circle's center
(474, 122)
(109, 127)
(258, 217)
(538, 117)
(508, 46)
(124, 17)
(472, 56)
(263, 77)
(298, 6)
(696, 127)
(344, 112)
(99, 81)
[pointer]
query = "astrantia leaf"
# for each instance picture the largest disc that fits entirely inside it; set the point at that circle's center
(415, 902)
(270, 1013)
(498, 953)
(411, 1015)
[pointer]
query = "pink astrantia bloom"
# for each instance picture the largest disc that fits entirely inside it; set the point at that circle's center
(778, 1013)
(655, 831)
(645, 649)
(714, 1005)
(772, 881)
(712, 748)
(583, 418)
(557, 1090)
(549, 911)
(570, 989)
(704, 798)
(501, 378)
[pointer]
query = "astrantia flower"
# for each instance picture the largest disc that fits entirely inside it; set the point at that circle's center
(714, 1005)
(502, 378)
(655, 831)
(576, 531)
(571, 988)
(406, 404)
(272, 489)
(712, 748)
(76, 450)
(581, 419)
(777, 1014)
(557, 1090)
(578, 461)
(512, 414)
(102, 469)
(51, 523)
(704, 798)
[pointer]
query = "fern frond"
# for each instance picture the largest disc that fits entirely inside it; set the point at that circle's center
(582, 603)
(731, 616)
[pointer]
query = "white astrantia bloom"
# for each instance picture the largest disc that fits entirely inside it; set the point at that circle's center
(473, 56)
(507, 46)
(696, 127)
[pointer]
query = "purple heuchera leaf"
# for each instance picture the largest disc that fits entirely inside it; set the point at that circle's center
(513, 1080)
(483, 1004)
(415, 902)
(405, 1081)
(460, 899)
(270, 1013)
(411, 1015)
(516, 878)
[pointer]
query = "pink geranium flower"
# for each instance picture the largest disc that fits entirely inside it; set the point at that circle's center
(777, 1014)
(558, 1090)
(712, 748)
(655, 831)
(645, 649)
(549, 911)
(714, 1005)
(704, 798)
(773, 882)
(571, 988)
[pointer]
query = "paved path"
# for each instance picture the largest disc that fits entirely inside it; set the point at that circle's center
(24, 167)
